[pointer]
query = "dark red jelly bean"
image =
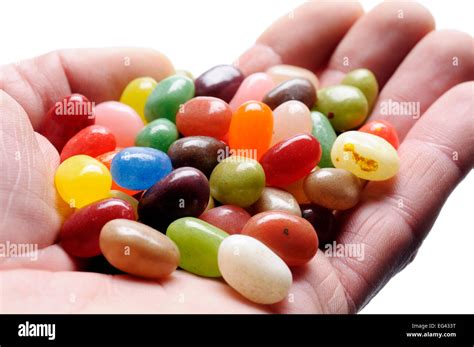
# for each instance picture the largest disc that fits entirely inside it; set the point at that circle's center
(322, 220)
(229, 218)
(221, 81)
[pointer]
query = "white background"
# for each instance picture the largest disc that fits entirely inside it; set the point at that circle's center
(199, 34)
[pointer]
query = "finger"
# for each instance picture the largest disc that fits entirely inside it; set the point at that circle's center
(99, 74)
(394, 216)
(379, 41)
(305, 37)
(439, 61)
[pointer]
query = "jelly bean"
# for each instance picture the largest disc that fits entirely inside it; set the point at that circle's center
(251, 129)
(290, 160)
(237, 181)
(130, 199)
(166, 98)
(183, 193)
(229, 218)
(221, 81)
(282, 73)
(345, 106)
(159, 134)
(138, 168)
(198, 243)
(289, 119)
(299, 89)
(253, 88)
(383, 129)
(322, 220)
(365, 155)
(364, 80)
(106, 159)
(322, 130)
(335, 189)
(81, 180)
(136, 93)
(138, 249)
(204, 115)
(184, 73)
(296, 189)
(200, 152)
(291, 237)
(79, 235)
(66, 118)
(92, 141)
(253, 270)
(121, 120)
(273, 199)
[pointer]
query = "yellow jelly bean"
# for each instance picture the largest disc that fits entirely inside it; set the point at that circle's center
(365, 155)
(81, 180)
(136, 93)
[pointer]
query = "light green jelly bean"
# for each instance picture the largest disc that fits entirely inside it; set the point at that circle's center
(365, 80)
(198, 243)
(323, 131)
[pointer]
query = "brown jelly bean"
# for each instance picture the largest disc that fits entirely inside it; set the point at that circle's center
(273, 199)
(322, 220)
(299, 89)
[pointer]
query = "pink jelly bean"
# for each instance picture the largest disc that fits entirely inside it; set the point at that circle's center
(254, 87)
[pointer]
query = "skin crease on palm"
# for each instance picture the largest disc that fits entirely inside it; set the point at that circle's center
(412, 62)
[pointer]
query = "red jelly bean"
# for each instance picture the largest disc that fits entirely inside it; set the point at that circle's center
(79, 235)
(383, 129)
(291, 159)
(106, 159)
(66, 118)
(92, 141)
(291, 237)
(229, 218)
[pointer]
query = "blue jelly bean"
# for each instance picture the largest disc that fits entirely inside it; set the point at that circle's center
(139, 168)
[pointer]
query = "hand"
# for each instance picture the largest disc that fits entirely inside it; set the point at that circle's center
(411, 63)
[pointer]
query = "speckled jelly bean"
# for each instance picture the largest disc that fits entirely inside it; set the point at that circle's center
(136, 93)
(221, 81)
(274, 199)
(289, 119)
(166, 98)
(79, 235)
(365, 80)
(81, 180)
(124, 196)
(237, 181)
(158, 134)
(323, 131)
(138, 168)
(291, 159)
(282, 73)
(254, 87)
(138, 249)
(383, 129)
(229, 218)
(184, 192)
(198, 243)
(299, 89)
(106, 159)
(365, 155)
(254, 270)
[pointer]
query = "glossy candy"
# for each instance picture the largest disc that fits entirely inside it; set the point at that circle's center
(136, 93)
(292, 238)
(121, 120)
(237, 181)
(130, 199)
(229, 218)
(296, 189)
(221, 81)
(345, 106)
(81, 180)
(322, 220)
(198, 243)
(253, 270)
(323, 131)
(383, 129)
(282, 73)
(365, 80)
(92, 141)
(289, 119)
(274, 199)
(251, 129)
(200, 152)
(335, 189)
(166, 98)
(79, 235)
(290, 160)
(253, 88)
(299, 89)
(184, 192)
(138, 168)
(365, 155)
(204, 115)
(158, 134)
(106, 159)
(138, 249)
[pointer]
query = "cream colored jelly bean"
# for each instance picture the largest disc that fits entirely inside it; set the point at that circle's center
(365, 155)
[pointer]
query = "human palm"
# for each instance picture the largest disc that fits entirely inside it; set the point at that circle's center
(395, 41)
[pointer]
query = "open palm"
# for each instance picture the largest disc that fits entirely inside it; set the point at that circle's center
(395, 41)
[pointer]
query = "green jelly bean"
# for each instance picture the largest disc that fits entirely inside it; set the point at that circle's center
(237, 181)
(323, 131)
(159, 134)
(198, 242)
(345, 106)
(165, 100)
(367, 83)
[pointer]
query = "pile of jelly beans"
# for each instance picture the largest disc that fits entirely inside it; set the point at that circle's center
(222, 175)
